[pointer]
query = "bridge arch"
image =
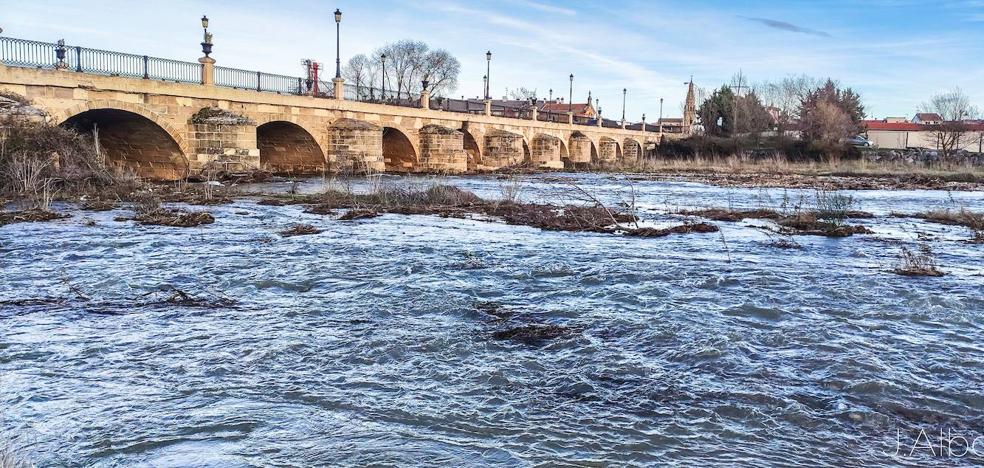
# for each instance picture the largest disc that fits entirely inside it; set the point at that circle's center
(133, 137)
(548, 151)
(631, 150)
(609, 151)
(581, 149)
(287, 147)
(399, 153)
(472, 148)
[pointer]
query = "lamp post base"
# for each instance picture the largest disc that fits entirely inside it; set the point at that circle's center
(339, 90)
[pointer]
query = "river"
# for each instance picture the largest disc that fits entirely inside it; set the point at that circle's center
(372, 343)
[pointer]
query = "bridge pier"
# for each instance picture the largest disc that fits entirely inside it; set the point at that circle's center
(502, 149)
(581, 149)
(607, 152)
(442, 150)
(355, 147)
(222, 142)
(546, 152)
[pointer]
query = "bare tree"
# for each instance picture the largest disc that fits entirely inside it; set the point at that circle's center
(785, 98)
(955, 109)
(441, 69)
(522, 94)
(409, 62)
(357, 72)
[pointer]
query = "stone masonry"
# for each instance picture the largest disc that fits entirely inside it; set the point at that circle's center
(151, 127)
(503, 149)
(355, 147)
(442, 150)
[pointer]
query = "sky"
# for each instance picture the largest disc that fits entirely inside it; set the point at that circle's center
(895, 53)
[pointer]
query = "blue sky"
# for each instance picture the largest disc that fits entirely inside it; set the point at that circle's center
(896, 53)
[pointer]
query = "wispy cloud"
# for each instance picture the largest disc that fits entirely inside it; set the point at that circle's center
(544, 7)
(785, 26)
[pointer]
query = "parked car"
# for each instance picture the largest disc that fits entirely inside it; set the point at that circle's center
(858, 140)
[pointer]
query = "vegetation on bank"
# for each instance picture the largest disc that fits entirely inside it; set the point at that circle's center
(40, 162)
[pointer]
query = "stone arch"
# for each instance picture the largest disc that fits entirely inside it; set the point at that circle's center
(399, 154)
(548, 151)
(472, 148)
(503, 149)
(631, 150)
(527, 155)
(608, 151)
(581, 149)
(288, 148)
(133, 137)
(442, 150)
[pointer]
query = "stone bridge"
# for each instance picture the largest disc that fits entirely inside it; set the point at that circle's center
(167, 130)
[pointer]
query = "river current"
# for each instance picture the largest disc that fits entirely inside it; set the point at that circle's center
(372, 343)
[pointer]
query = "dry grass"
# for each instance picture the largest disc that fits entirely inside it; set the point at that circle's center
(40, 162)
(687, 228)
(917, 263)
(29, 216)
(961, 217)
(779, 172)
(174, 218)
(300, 230)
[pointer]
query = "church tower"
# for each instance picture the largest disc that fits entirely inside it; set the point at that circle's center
(690, 109)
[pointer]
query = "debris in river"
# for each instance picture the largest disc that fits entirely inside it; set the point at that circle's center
(358, 214)
(174, 218)
(494, 309)
(321, 209)
(687, 228)
(29, 216)
(808, 225)
(98, 205)
(961, 217)
(300, 230)
(722, 214)
(532, 334)
(918, 263)
(174, 296)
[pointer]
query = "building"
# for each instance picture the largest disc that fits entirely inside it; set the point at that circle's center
(927, 118)
(898, 133)
(556, 111)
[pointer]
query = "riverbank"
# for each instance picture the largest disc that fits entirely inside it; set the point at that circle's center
(840, 175)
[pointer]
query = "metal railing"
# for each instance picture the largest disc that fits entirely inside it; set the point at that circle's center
(45, 55)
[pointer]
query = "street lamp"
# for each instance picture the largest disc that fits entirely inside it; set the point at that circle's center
(207, 40)
(488, 72)
(623, 105)
(485, 84)
(660, 115)
(338, 47)
(382, 82)
(570, 99)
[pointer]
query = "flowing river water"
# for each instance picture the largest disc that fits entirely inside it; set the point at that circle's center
(374, 342)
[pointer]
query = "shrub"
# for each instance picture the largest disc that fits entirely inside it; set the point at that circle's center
(38, 160)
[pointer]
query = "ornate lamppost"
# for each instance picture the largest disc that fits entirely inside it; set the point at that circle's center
(382, 92)
(61, 53)
(623, 107)
(570, 97)
(207, 39)
(338, 47)
(488, 72)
